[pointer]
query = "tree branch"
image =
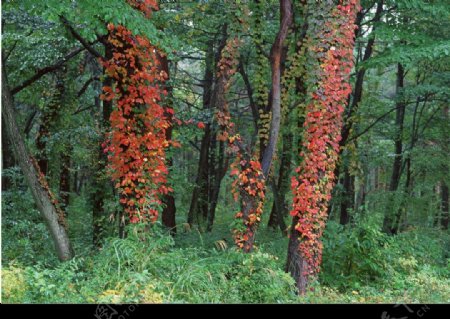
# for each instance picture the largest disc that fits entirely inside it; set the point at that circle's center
(77, 36)
(41, 72)
(371, 125)
(86, 85)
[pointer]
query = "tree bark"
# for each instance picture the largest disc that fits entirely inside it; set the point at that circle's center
(295, 263)
(276, 53)
(276, 217)
(49, 115)
(444, 206)
(7, 158)
(64, 178)
(390, 224)
(347, 198)
(219, 174)
(45, 200)
(169, 209)
(101, 184)
(199, 207)
(353, 108)
(250, 203)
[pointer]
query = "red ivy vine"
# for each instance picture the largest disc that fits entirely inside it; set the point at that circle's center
(137, 142)
(330, 43)
(249, 181)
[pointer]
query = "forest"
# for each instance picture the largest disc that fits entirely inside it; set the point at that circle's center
(219, 151)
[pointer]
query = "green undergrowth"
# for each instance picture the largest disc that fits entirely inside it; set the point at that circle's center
(360, 264)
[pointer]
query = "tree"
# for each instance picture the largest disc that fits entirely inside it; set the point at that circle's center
(45, 200)
(330, 42)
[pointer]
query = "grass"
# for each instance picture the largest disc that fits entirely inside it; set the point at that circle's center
(360, 264)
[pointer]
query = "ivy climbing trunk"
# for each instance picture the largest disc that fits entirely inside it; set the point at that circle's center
(45, 200)
(349, 121)
(252, 171)
(49, 115)
(329, 42)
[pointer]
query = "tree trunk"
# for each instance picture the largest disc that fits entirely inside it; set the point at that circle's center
(249, 203)
(347, 198)
(101, 183)
(50, 113)
(276, 217)
(276, 54)
(64, 178)
(323, 124)
(356, 99)
(295, 263)
(444, 206)
(220, 172)
(169, 209)
(7, 158)
(45, 200)
(390, 224)
(199, 203)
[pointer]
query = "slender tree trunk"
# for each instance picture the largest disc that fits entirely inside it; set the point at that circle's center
(390, 224)
(45, 200)
(64, 178)
(50, 113)
(276, 54)
(200, 194)
(347, 198)
(220, 171)
(199, 202)
(101, 184)
(250, 203)
(169, 210)
(276, 217)
(7, 158)
(444, 206)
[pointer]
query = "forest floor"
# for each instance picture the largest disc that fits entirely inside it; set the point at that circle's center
(360, 264)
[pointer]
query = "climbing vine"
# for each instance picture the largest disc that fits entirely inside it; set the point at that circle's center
(249, 183)
(137, 142)
(329, 41)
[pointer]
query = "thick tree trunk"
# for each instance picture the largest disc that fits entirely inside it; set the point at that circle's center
(295, 263)
(312, 186)
(45, 201)
(390, 222)
(354, 105)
